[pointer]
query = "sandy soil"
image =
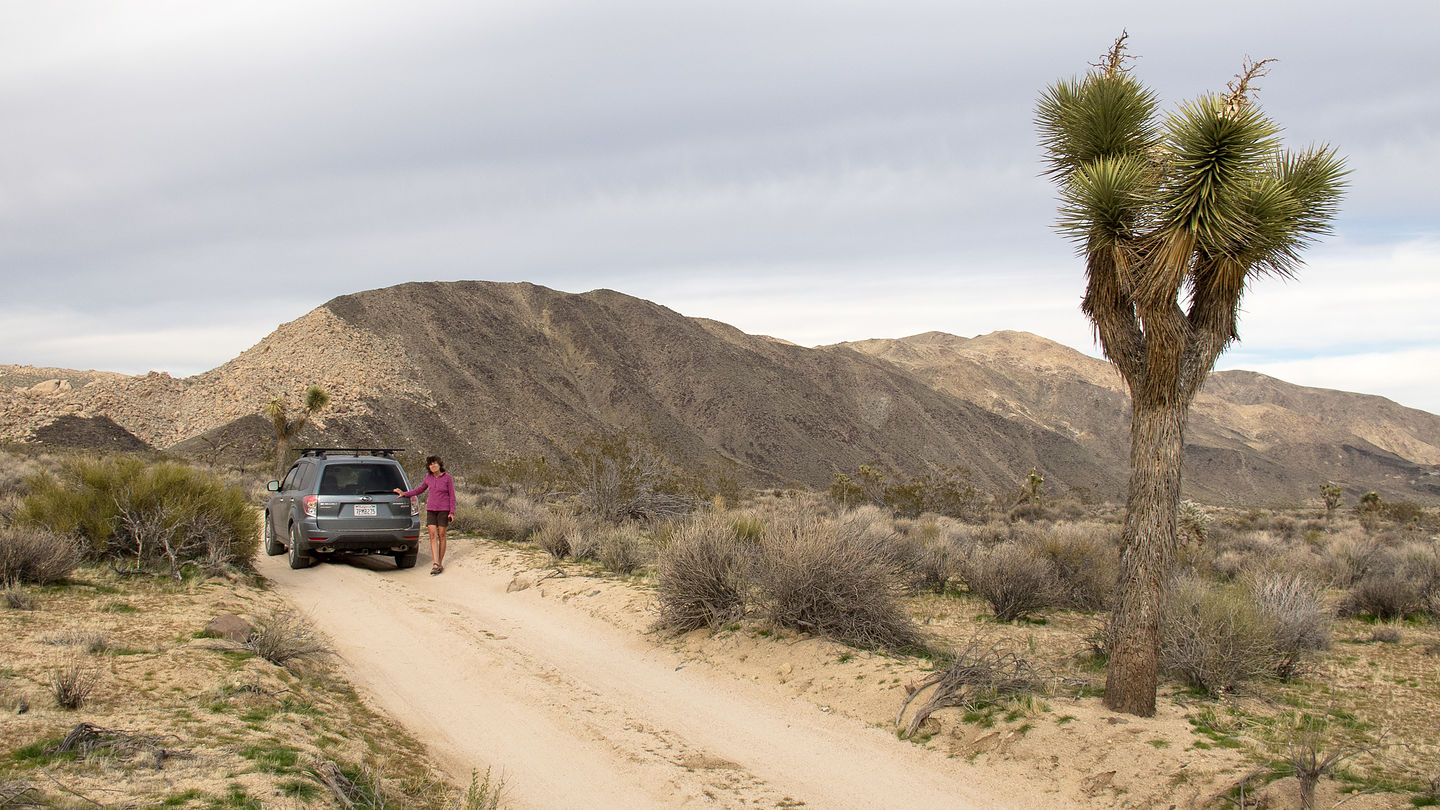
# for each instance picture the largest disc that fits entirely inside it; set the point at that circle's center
(553, 678)
(574, 710)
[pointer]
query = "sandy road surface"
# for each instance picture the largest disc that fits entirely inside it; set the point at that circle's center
(575, 711)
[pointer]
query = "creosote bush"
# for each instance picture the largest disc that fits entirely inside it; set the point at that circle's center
(36, 555)
(510, 519)
(622, 549)
(620, 477)
(1214, 637)
(126, 508)
(1086, 561)
(947, 491)
(1394, 583)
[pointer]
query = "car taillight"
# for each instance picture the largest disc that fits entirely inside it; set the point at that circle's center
(308, 504)
(414, 506)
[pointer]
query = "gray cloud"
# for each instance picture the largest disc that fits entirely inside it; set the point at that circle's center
(186, 166)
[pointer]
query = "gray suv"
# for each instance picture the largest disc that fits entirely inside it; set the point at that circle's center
(342, 501)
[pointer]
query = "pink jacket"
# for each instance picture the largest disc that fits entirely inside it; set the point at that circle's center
(442, 492)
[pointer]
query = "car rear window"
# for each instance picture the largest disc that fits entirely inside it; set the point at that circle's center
(360, 479)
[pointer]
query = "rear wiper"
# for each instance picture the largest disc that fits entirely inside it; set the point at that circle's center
(379, 492)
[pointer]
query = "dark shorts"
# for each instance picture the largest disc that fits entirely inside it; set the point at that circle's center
(437, 518)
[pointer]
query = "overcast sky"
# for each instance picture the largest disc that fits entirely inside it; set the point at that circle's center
(179, 178)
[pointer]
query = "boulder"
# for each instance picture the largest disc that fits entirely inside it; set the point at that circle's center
(230, 626)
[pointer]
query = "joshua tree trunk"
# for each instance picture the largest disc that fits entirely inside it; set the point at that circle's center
(1157, 438)
(282, 456)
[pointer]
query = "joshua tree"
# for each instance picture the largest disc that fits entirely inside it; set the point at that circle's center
(287, 427)
(1331, 493)
(1173, 217)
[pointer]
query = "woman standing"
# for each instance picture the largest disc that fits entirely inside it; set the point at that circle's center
(439, 507)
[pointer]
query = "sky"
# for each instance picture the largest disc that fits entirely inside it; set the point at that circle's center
(180, 178)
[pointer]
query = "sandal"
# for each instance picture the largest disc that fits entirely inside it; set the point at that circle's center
(436, 568)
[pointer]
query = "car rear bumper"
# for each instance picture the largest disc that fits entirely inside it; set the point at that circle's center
(319, 540)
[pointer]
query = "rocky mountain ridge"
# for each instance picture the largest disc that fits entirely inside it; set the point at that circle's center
(478, 369)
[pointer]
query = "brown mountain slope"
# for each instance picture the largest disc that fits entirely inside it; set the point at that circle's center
(475, 370)
(527, 369)
(1251, 437)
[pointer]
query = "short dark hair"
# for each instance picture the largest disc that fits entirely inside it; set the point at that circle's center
(434, 460)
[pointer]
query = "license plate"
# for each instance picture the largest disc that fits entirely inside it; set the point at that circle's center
(365, 510)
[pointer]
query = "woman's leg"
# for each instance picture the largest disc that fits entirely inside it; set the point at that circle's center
(440, 540)
(436, 551)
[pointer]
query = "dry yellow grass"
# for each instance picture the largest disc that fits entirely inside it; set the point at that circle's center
(226, 728)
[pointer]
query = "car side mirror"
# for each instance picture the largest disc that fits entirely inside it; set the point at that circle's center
(273, 486)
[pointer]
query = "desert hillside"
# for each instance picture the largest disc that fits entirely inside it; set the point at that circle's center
(480, 369)
(1251, 438)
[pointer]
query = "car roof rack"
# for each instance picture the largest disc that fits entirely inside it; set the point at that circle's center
(321, 452)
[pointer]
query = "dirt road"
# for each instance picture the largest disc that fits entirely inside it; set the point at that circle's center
(574, 710)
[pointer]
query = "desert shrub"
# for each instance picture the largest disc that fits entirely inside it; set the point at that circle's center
(556, 533)
(1229, 553)
(15, 596)
(1422, 561)
(285, 637)
(703, 573)
(822, 576)
(1385, 634)
(619, 477)
(526, 515)
(966, 537)
(1068, 509)
(528, 475)
(1404, 513)
(1285, 527)
(1349, 555)
(925, 556)
(622, 548)
(124, 507)
(947, 491)
(1031, 512)
(1368, 509)
(1013, 578)
(1300, 620)
(749, 528)
(1086, 561)
(1228, 565)
(72, 682)
(1396, 582)
(16, 473)
(1384, 595)
(90, 641)
(486, 521)
(36, 555)
(1214, 637)
(467, 520)
(483, 793)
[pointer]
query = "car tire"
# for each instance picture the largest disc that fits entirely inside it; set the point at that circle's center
(273, 546)
(406, 559)
(298, 558)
